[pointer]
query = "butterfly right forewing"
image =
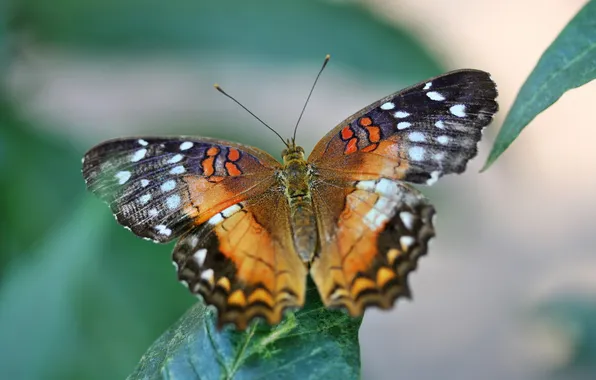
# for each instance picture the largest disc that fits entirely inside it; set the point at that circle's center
(416, 135)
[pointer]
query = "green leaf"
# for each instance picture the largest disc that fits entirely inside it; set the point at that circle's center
(312, 343)
(569, 62)
(277, 31)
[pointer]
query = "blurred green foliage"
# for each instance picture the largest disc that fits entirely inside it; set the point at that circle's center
(566, 64)
(574, 315)
(275, 31)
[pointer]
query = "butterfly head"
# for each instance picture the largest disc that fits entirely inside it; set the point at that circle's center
(292, 152)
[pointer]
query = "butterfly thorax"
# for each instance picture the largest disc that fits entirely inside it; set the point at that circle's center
(296, 178)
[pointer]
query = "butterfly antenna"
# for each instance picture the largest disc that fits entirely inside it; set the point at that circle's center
(327, 57)
(247, 110)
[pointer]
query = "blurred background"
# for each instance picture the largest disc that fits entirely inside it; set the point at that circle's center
(509, 287)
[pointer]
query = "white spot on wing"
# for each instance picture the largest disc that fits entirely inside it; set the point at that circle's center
(230, 211)
(458, 110)
(443, 140)
(145, 198)
(123, 176)
(216, 219)
(439, 156)
(138, 155)
(403, 125)
(186, 145)
(162, 229)
(168, 186)
(406, 241)
(416, 153)
(144, 182)
(439, 124)
(416, 137)
(401, 114)
(366, 185)
(434, 176)
(142, 142)
(387, 106)
(433, 95)
(176, 158)
(427, 85)
(386, 187)
(207, 275)
(153, 212)
(173, 201)
(407, 218)
(377, 216)
(200, 256)
(178, 170)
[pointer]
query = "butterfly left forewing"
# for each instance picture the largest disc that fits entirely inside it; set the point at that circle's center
(372, 235)
(416, 135)
(161, 187)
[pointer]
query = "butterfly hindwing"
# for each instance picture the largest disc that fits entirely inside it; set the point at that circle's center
(243, 261)
(375, 231)
(416, 135)
(161, 187)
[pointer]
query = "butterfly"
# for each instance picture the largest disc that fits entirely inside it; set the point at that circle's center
(250, 228)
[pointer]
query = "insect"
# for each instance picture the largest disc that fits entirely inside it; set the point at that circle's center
(250, 229)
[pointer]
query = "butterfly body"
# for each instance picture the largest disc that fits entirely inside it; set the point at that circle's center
(250, 229)
(297, 181)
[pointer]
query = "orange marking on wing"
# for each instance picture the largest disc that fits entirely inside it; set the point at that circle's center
(237, 298)
(261, 295)
(365, 121)
(351, 147)
(361, 284)
(191, 211)
(374, 134)
(232, 169)
(233, 154)
(209, 197)
(357, 244)
(384, 275)
(347, 133)
(386, 162)
(207, 165)
(369, 148)
(393, 254)
(213, 151)
(239, 237)
(224, 283)
(215, 178)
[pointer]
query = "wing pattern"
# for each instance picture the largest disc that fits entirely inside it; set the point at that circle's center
(416, 135)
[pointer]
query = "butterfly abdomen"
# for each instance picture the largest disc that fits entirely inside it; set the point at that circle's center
(296, 180)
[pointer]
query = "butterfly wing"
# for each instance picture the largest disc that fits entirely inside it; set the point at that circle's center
(373, 228)
(243, 261)
(223, 200)
(372, 234)
(416, 135)
(161, 187)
